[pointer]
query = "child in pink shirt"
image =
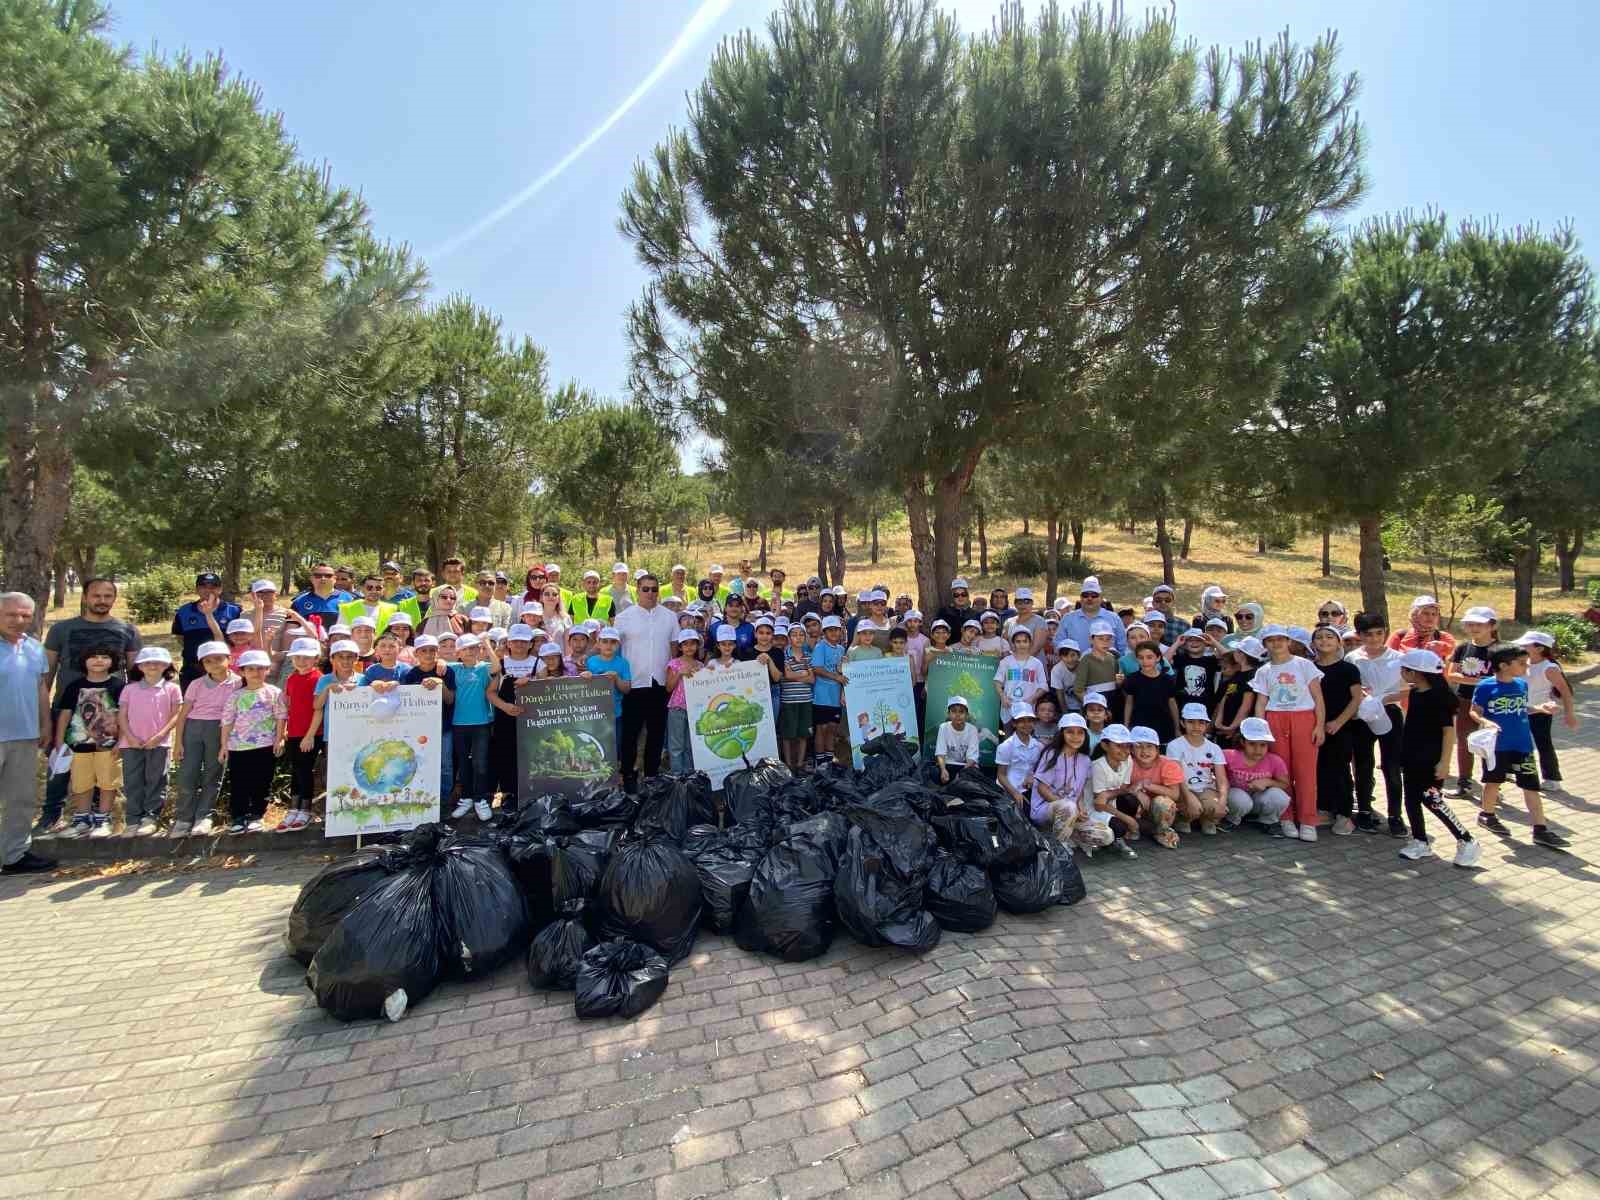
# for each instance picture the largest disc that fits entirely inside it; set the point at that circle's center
(678, 669)
(147, 712)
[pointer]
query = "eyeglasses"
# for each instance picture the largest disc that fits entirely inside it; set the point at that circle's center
(1087, 595)
(645, 588)
(373, 587)
(322, 574)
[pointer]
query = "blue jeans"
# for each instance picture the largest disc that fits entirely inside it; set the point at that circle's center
(473, 768)
(447, 774)
(678, 747)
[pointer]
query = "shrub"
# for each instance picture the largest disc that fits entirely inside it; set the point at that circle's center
(1573, 634)
(1593, 588)
(1025, 556)
(154, 596)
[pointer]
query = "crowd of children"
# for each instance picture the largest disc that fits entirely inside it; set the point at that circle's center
(1117, 722)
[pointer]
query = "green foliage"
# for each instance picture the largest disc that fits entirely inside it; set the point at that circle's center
(155, 595)
(1447, 532)
(1593, 588)
(1574, 634)
(1026, 557)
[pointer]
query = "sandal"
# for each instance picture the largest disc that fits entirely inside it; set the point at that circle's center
(1167, 838)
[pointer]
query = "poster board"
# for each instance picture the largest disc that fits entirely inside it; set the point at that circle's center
(878, 699)
(566, 736)
(956, 673)
(730, 719)
(383, 761)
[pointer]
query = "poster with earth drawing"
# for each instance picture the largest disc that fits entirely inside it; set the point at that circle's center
(730, 719)
(383, 759)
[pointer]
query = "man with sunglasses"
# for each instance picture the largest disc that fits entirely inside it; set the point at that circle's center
(320, 604)
(959, 611)
(1076, 625)
(1162, 599)
(370, 604)
(647, 628)
(808, 597)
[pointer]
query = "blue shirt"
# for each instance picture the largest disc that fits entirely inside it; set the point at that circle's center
(378, 673)
(615, 665)
(1075, 625)
(827, 657)
(472, 694)
(1505, 702)
(416, 675)
(22, 666)
(189, 623)
(404, 593)
(309, 604)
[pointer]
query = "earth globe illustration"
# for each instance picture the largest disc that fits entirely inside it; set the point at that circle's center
(386, 765)
(728, 725)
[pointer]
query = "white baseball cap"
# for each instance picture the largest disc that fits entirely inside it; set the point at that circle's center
(1069, 644)
(592, 574)
(1162, 587)
(155, 654)
(1424, 661)
(550, 648)
(363, 623)
(1195, 632)
(467, 641)
(445, 635)
(263, 585)
(831, 621)
(1536, 637)
(207, 649)
(1154, 614)
(1096, 698)
(1143, 735)
(305, 648)
(955, 700)
(1195, 712)
(477, 614)
(1212, 593)
(941, 623)
(864, 597)
(1217, 621)
(241, 625)
(339, 627)
(970, 623)
(426, 642)
(766, 622)
(255, 658)
(401, 618)
(1272, 631)
(344, 647)
(495, 635)
(1101, 629)
(1254, 729)
(1117, 735)
(1251, 646)
(714, 569)
(812, 615)
(608, 634)
(556, 567)
(1091, 584)
(1019, 711)
(914, 615)
(688, 635)
(960, 583)
(676, 567)
(726, 633)
(520, 633)
(1424, 602)
(1072, 721)
(619, 566)
(1480, 615)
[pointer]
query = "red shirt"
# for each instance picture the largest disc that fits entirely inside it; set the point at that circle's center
(1440, 642)
(300, 690)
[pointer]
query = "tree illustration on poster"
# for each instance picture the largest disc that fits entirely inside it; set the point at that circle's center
(566, 736)
(730, 719)
(970, 676)
(383, 760)
(878, 699)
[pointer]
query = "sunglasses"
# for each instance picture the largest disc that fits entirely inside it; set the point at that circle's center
(322, 574)
(643, 588)
(1086, 595)
(1328, 612)
(1244, 616)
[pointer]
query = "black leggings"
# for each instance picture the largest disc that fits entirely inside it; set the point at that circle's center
(1335, 790)
(1422, 792)
(503, 750)
(303, 773)
(1549, 766)
(1366, 746)
(250, 782)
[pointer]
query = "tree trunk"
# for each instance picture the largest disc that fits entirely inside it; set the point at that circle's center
(1188, 536)
(1327, 558)
(763, 550)
(1261, 543)
(873, 552)
(839, 563)
(1524, 567)
(824, 553)
(1025, 530)
(1569, 544)
(1052, 567)
(922, 555)
(1374, 588)
(58, 579)
(1077, 541)
(594, 544)
(966, 543)
(86, 559)
(946, 528)
(619, 543)
(38, 493)
(632, 534)
(233, 562)
(1164, 544)
(983, 543)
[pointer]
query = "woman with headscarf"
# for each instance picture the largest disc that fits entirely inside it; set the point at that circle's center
(706, 593)
(1426, 631)
(532, 585)
(1332, 612)
(443, 616)
(1248, 621)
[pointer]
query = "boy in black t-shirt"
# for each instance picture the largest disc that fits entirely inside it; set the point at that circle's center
(86, 723)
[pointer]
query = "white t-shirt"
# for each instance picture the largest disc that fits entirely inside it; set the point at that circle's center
(1063, 679)
(1197, 762)
(519, 668)
(1018, 759)
(1106, 778)
(957, 748)
(1540, 690)
(1020, 680)
(1287, 686)
(1380, 675)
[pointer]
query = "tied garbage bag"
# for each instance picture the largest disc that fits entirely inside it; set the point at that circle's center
(877, 903)
(745, 791)
(1034, 884)
(384, 952)
(482, 917)
(725, 869)
(899, 832)
(334, 891)
(619, 979)
(958, 895)
(650, 893)
(557, 949)
(887, 758)
(553, 870)
(545, 816)
(603, 805)
(1067, 873)
(789, 911)
(924, 801)
(670, 804)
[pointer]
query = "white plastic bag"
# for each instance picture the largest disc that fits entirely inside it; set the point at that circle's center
(1375, 715)
(1481, 743)
(60, 760)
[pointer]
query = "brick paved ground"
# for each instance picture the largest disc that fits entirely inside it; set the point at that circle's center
(1241, 1017)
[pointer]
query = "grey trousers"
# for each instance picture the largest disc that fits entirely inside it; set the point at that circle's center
(200, 774)
(19, 794)
(144, 783)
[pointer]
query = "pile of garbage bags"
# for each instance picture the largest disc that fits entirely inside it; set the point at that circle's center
(602, 893)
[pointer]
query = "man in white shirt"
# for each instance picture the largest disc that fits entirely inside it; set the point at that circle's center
(1076, 625)
(647, 629)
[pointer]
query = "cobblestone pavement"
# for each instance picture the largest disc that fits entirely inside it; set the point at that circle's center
(1241, 1017)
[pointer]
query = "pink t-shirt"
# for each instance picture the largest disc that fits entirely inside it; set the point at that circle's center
(148, 709)
(676, 700)
(1241, 772)
(917, 651)
(209, 701)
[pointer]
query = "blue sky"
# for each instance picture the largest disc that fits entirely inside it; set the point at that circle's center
(440, 113)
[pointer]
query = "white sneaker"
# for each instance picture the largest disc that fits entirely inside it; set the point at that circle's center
(482, 810)
(147, 827)
(255, 827)
(77, 829)
(288, 824)
(1308, 833)
(204, 827)
(1343, 827)
(180, 829)
(1290, 829)
(462, 808)
(1415, 850)
(102, 829)
(1468, 853)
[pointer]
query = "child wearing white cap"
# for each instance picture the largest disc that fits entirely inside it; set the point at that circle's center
(1288, 693)
(1016, 757)
(1258, 779)
(146, 716)
(684, 664)
(197, 741)
(1466, 667)
(476, 676)
(827, 696)
(1425, 743)
(301, 744)
(957, 745)
(253, 731)
(1202, 796)
(1061, 797)
(1116, 805)
(1548, 693)
(606, 662)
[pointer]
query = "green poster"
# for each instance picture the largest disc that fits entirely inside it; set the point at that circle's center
(955, 673)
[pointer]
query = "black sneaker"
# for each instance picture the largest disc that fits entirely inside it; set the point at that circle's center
(1367, 821)
(1541, 837)
(1399, 829)
(1494, 824)
(29, 864)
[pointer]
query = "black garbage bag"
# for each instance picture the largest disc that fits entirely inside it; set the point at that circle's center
(889, 816)
(1033, 884)
(544, 816)
(725, 869)
(482, 916)
(924, 801)
(887, 758)
(1071, 879)
(878, 904)
(619, 979)
(789, 911)
(959, 895)
(744, 790)
(795, 800)
(650, 893)
(333, 891)
(973, 839)
(669, 804)
(557, 949)
(383, 956)
(975, 786)
(837, 786)
(529, 858)
(602, 804)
